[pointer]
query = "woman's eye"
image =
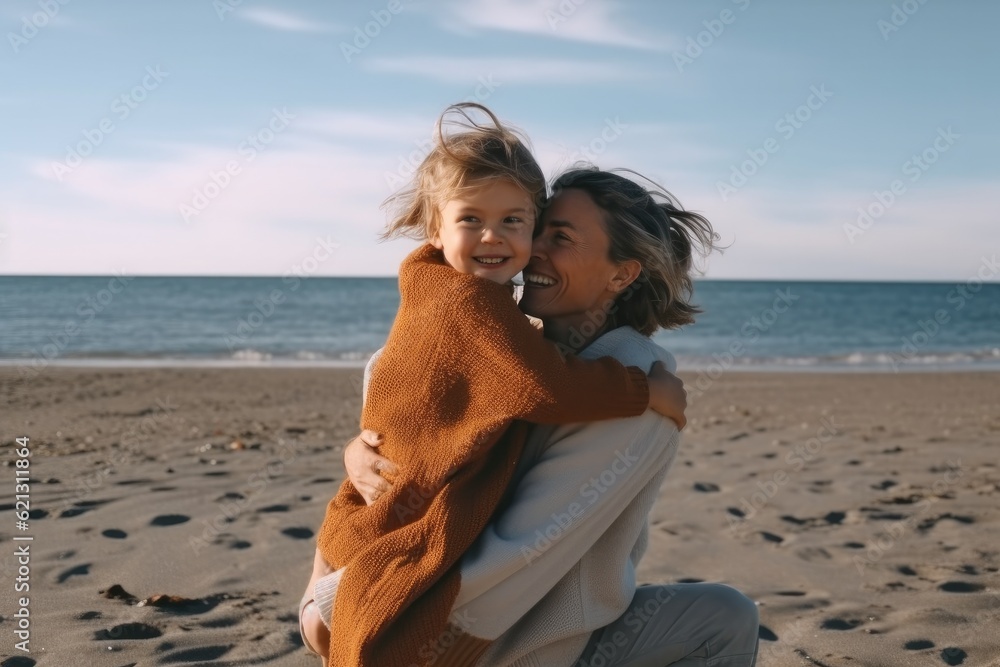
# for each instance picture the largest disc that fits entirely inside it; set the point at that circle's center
(562, 237)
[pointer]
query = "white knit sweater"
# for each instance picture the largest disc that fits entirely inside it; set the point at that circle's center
(558, 561)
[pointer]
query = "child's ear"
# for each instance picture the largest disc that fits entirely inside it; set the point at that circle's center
(436, 241)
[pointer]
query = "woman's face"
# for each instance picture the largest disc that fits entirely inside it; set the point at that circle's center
(569, 279)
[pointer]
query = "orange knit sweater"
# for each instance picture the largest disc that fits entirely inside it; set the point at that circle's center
(461, 367)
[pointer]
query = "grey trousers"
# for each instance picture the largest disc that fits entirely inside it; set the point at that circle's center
(679, 624)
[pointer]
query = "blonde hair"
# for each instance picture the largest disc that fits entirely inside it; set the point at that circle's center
(649, 226)
(478, 153)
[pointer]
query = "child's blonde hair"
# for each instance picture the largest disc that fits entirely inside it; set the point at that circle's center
(475, 155)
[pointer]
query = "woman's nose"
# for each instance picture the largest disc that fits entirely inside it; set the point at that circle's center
(538, 248)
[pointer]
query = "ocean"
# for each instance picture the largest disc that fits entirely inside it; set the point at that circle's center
(769, 325)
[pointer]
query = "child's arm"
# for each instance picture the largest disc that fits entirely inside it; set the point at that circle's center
(529, 378)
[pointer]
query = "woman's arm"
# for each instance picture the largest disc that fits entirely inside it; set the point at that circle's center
(564, 504)
(370, 473)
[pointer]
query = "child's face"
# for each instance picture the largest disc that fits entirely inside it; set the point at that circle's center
(487, 231)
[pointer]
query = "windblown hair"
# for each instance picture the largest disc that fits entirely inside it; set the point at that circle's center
(647, 225)
(466, 154)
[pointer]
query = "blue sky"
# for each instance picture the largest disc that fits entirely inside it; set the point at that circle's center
(250, 137)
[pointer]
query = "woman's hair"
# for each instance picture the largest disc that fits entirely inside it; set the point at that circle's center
(647, 225)
(466, 154)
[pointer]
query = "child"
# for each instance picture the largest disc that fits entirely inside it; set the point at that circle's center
(460, 375)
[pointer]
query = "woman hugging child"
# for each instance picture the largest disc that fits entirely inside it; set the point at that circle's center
(461, 375)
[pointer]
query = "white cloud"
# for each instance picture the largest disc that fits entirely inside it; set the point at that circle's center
(315, 180)
(588, 21)
(280, 20)
(504, 71)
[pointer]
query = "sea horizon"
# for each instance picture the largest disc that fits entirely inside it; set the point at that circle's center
(280, 321)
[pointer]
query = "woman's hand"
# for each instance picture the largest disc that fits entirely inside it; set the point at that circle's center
(667, 395)
(365, 468)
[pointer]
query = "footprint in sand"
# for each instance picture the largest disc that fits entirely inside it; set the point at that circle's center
(130, 482)
(114, 534)
(323, 480)
(960, 587)
(771, 537)
(274, 508)
(169, 520)
(953, 656)
(79, 570)
(918, 644)
(21, 661)
(298, 533)
(200, 654)
(81, 507)
(840, 624)
(129, 631)
(88, 615)
(706, 487)
(835, 518)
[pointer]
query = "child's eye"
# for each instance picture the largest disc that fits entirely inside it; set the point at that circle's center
(470, 218)
(513, 219)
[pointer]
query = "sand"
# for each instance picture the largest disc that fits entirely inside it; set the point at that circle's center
(859, 510)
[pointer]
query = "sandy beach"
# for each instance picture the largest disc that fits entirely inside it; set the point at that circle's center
(860, 510)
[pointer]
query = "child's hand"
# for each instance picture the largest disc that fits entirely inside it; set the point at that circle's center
(667, 395)
(365, 468)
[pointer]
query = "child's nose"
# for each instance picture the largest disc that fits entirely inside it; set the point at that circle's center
(490, 235)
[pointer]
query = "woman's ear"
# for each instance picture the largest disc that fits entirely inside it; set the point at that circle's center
(625, 275)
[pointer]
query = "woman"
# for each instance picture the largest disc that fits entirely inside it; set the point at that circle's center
(551, 581)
